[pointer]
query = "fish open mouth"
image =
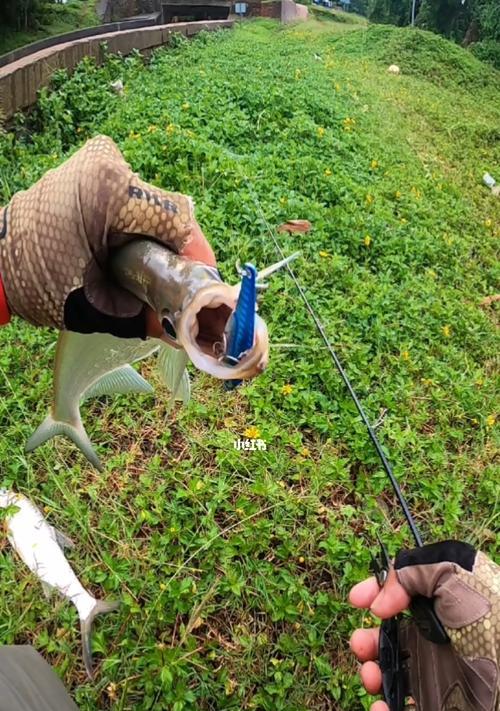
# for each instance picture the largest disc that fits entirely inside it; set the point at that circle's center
(211, 324)
(201, 333)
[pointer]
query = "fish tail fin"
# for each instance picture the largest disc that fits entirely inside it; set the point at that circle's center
(100, 608)
(51, 427)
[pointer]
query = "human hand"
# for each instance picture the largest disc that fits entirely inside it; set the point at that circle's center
(384, 603)
(465, 585)
(55, 240)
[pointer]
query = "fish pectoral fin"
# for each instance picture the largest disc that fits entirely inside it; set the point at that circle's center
(51, 428)
(119, 381)
(100, 608)
(62, 540)
(172, 364)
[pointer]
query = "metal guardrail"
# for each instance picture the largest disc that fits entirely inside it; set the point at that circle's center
(76, 35)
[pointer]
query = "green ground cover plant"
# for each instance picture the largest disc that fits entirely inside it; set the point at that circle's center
(234, 567)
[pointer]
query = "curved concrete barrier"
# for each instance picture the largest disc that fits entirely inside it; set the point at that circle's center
(35, 47)
(21, 80)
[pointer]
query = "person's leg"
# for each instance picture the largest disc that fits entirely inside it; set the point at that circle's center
(27, 682)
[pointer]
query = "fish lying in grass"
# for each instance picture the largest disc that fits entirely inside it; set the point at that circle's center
(194, 307)
(41, 546)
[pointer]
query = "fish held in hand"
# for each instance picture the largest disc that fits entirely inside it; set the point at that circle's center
(195, 308)
(193, 304)
(40, 546)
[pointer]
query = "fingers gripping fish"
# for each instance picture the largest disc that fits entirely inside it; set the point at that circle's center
(40, 546)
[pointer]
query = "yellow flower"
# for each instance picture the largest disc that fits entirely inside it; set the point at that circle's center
(186, 105)
(252, 432)
(328, 172)
(283, 200)
(305, 452)
(474, 421)
(152, 129)
(240, 512)
(369, 199)
(337, 87)
(298, 74)
(446, 331)
(367, 240)
(490, 420)
(79, 129)
(426, 381)
(432, 273)
(348, 123)
(199, 485)
(488, 223)
(403, 221)
(173, 529)
(397, 194)
(479, 382)
(170, 128)
(287, 389)
(324, 254)
(302, 559)
(321, 131)
(405, 355)
(374, 164)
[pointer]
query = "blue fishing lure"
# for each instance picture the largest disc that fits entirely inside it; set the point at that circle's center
(241, 326)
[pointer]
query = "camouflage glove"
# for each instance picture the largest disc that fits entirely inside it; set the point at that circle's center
(55, 240)
(463, 675)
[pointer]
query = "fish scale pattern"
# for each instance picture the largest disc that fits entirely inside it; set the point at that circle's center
(59, 232)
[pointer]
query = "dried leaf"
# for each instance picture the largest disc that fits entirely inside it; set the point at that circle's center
(488, 300)
(295, 226)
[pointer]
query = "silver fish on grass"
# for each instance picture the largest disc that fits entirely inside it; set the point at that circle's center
(41, 546)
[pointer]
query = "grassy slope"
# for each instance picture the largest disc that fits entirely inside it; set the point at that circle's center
(57, 20)
(234, 568)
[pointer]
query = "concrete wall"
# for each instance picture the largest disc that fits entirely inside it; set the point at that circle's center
(20, 81)
(283, 10)
(292, 11)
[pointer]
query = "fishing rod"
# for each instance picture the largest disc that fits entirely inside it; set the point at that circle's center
(391, 661)
(376, 442)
